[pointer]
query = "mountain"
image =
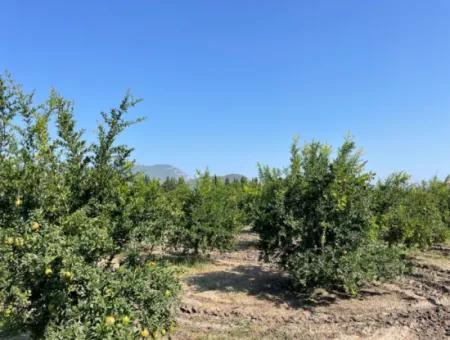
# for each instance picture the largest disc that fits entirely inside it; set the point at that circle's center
(161, 171)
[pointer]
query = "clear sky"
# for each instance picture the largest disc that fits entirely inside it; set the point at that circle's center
(227, 84)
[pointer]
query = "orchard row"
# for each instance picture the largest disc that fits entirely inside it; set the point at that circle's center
(82, 236)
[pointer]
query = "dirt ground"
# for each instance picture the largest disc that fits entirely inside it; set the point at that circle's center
(234, 296)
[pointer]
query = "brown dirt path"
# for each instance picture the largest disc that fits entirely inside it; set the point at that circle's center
(234, 296)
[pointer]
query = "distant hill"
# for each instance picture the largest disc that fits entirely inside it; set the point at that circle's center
(164, 171)
(161, 171)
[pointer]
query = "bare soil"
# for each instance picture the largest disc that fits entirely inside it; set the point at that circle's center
(234, 296)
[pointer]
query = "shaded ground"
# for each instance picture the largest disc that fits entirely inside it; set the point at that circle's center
(234, 296)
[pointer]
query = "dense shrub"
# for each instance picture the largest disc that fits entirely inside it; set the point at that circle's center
(211, 216)
(315, 220)
(66, 210)
(50, 289)
(153, 214)
(440, 191)
(247, 194)
(414, 215)
(349, 270)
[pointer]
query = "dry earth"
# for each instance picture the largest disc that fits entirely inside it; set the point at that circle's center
(234, 296)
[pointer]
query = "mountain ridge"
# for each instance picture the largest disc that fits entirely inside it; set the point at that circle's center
(161, 171)
(164, 171)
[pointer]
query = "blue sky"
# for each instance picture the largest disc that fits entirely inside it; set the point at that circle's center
(227, 84)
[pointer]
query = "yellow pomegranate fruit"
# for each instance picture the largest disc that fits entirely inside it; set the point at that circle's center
(18, 242)
(110, 320)
(145, 333)
(152, 264)
(68, 276)
(167, 293)
(35, 226)
(48, 271)
(18, 202)
(125, 320)
(9, 241)
(163, 332)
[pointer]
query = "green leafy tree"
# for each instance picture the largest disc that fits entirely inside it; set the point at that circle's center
(316, 215)
(413, 215)
(66, 209)
(211, 219)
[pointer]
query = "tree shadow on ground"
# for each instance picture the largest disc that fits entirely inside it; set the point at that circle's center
(253, 280)
(270, 285)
